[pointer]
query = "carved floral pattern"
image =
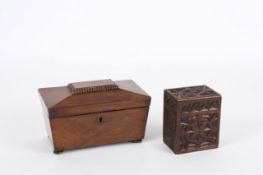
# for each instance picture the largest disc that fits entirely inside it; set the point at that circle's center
(191, 122)
(198, 131)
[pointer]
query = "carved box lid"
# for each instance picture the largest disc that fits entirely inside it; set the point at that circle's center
(93, 97)
(193, 93)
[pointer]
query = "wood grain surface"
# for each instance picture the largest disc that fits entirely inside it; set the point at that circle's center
(99, 129)
(93, 113)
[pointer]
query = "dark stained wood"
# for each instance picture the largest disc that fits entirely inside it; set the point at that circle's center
(191, 119)
(94, 113)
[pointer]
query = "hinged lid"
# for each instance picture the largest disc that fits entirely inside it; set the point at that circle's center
(93, 97)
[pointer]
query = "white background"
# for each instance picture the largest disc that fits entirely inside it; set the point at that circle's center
(159, 44)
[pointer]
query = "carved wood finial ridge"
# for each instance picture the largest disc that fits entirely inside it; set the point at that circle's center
(92, 86)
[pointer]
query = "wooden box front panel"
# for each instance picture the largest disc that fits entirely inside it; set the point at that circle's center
(198, 125)
(99, 128)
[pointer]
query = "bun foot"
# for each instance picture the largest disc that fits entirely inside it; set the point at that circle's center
(58, 151)
(136, 141)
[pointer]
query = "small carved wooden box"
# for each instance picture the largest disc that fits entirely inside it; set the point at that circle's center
(94, 113)
(191, 119)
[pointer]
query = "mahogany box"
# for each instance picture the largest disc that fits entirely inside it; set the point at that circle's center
(93, 113)
(191, 119)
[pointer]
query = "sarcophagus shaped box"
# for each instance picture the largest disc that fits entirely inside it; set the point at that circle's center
(191, 118)
(95, 113)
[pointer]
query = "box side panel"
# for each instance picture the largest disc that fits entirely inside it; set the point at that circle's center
(178, 136)
(46, 119)
(169, 120)
(219, 119)
(99, 129)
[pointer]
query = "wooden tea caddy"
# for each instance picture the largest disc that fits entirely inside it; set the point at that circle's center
(191, 119)
(93, 113)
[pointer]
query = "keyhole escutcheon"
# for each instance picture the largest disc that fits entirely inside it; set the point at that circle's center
(100, 120)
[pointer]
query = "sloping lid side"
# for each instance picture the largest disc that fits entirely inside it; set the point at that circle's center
(86, 97)
(53, 95)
